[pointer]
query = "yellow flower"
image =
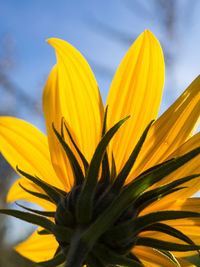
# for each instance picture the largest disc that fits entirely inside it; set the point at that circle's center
(105, 218)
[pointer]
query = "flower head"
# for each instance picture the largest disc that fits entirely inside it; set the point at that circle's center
(114, 183)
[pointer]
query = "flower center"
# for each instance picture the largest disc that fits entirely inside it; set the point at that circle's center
(103, 197)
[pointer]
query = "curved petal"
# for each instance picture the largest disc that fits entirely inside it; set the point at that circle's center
(136, 90)
(172, 129)
(17, 193)
(25, 146)
(151, 258)
(191, 167)
(189, 227)
(38, 248)
(71, 92)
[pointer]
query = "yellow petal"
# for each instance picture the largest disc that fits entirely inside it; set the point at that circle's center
(192, 167)
(189, 227)
(172, 129)
(71, 92)
(151, 258)
(26, 147)
(136, 90)
(38, 247)
(17, 193)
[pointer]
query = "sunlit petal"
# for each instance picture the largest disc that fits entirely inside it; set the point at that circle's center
(172, 129)
(17, 193)
(26, 147)
(192, 167)
(71, 92)
(151, 258)
(38, 247)
(136, 90)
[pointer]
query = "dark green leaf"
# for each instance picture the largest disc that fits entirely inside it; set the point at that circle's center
(92, 261)
(29, 217)
(85, 201)
(113, 169)
(104, 121)
(39, 195)
(164, 228)
(129, 195)
(43, 232)
(130, 228)
(40, 212)
(84, 161)
(105, 175)
(51, 192)
(62, 233)
(109, 257)
(164, 245)
(78, 174)
(155, 198)
(161, 191)
(121, 177)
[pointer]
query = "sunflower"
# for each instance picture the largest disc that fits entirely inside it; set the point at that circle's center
(114, 183)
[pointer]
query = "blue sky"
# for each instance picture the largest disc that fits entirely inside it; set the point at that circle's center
(30, 23)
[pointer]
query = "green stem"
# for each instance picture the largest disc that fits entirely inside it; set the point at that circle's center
(78, 250)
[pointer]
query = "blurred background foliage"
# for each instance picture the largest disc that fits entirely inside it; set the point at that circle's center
(170, 19)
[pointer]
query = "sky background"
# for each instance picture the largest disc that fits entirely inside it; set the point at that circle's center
(102, 31)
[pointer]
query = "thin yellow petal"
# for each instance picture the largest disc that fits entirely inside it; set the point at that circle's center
(136, 90)
(172, 129)
(71, 92)
(17, 193)
(189, 227)
(38, 247)
(192, 167)
(25, 146)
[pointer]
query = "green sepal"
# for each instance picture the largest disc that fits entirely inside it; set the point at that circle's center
(164, 245)
(85, 201)
(169, 255)
(157, 193)
(142, 206)
(132, 227)
(29, 217)
(113, 173)
(104, 121)
(129, 194)
(105, 174)
(114, 190)
(49, 190)
(83, 159)
(109, 257)
(39, 212)
(92, 261)
(63, 215)
(62, 233)
(39, 195)
(78, 174)
(169, 230)
(43, 232)
(121, 177)
(56, 261)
